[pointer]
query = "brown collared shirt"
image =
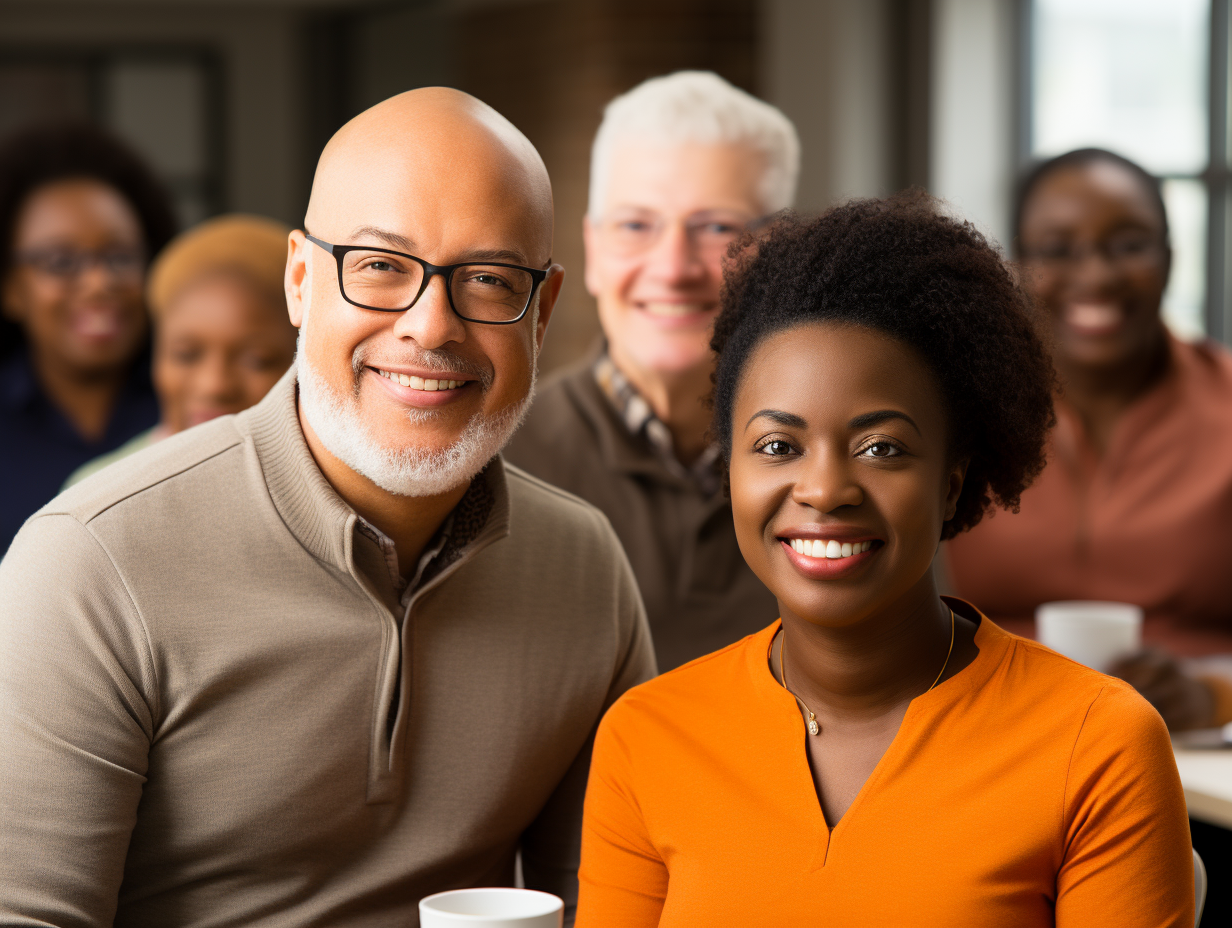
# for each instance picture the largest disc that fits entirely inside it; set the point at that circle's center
(591, 434)
(640, 419)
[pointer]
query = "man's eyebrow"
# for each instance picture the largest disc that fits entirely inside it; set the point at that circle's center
(868, 419)
(402, 243)
(788, 419)
(392, 239)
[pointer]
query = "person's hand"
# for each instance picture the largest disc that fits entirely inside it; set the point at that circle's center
(1183, 701)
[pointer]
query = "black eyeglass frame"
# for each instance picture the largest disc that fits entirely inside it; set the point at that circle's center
(538, 276)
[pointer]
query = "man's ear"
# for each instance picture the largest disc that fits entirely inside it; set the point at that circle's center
(297, 278)
(549, 293)
(953, 487)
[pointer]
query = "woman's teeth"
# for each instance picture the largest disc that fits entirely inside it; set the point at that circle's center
(418, 383)
(674, 309)
(1094, 317)
(832, 549)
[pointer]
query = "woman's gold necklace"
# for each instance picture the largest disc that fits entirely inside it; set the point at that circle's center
(814, 727)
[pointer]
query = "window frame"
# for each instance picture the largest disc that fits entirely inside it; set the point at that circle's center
(1216, 177)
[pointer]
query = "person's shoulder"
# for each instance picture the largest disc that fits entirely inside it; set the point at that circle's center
(130, 447)
(1206, 362)
(561, 411)
(178, 457)
(1061, 688)
(699, 688)
(1098, 722)
(535, 502)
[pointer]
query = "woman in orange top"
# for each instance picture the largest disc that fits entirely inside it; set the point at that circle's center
(879, 756)
(1136, 502)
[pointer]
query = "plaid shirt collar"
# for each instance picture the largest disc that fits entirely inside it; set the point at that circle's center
(640, 419)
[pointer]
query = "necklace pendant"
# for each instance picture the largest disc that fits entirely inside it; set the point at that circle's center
(813, 727)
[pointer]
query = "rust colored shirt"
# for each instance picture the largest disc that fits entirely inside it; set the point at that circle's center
(1025, 790)
(1149, 522)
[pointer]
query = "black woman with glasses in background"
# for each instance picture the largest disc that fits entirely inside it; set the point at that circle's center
(1135, 504)
(80, 218)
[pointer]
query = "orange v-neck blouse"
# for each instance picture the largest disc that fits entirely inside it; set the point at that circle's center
(1026, 790)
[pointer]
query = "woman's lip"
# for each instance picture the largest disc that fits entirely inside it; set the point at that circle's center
(836, 533)
(816, 568)
(97, 322)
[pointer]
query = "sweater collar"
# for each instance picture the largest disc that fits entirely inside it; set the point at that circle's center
(313, 511)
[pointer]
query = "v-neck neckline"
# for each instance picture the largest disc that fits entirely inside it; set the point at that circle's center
(990, 643)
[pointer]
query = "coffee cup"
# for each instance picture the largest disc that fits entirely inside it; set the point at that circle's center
(497, 907)
(1097, 634)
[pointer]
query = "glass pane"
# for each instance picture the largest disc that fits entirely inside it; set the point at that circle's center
(160, 108)
(1128, 75)
(1186, 294)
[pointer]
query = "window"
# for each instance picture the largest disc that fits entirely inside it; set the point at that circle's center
(162, 101)
(1143, 78)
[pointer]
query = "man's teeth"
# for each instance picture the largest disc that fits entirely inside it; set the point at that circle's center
(419, 383)
(674, 309)
(833, 549)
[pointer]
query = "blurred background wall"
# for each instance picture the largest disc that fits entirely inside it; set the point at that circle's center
(232, 101)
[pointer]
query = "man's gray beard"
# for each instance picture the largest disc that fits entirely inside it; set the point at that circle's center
(338, 423)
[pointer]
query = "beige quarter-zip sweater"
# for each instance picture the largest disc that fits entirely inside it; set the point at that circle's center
(215, 710)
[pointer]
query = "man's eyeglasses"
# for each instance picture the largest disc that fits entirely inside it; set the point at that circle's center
(393, 281)
(66, 264)
(634, 232)
(1130, 248)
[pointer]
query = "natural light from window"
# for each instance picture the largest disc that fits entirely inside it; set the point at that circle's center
(1131, 76)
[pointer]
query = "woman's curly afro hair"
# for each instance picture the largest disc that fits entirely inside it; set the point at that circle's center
(902, 268)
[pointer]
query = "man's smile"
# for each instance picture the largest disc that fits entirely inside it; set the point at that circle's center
(421, 383)
(425, 388)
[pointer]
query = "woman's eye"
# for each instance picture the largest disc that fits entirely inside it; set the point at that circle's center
(882, 449)
(776, 448)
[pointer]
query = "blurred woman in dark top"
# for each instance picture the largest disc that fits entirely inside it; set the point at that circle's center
(80, 218)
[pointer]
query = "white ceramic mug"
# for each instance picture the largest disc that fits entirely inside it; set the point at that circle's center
(1092, 633)
(492, 908)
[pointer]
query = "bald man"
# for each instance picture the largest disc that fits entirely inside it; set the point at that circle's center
(308, 664)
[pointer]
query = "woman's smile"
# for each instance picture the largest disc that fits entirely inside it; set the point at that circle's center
(822, 558)
(840, 456)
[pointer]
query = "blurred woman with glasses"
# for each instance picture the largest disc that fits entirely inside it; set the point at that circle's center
(1135, 504)
(80, 218)
(222, 337)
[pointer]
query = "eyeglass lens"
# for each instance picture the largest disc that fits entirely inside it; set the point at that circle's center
(1124, 248)
(635, 232)
(66, 263)
(481, 292)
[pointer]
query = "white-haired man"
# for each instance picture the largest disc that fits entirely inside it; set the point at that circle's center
(681, 166)
(307, 664)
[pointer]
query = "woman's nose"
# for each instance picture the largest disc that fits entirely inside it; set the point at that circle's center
(827, 482)
(217, 378)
